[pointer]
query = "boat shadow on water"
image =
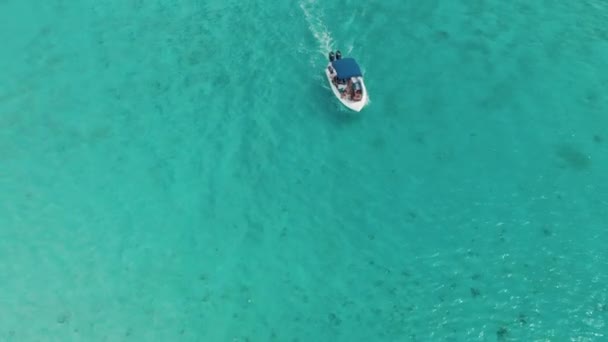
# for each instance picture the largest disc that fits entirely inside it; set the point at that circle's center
(341, 116)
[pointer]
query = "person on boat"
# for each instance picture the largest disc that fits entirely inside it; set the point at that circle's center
(332, 71)
(343, 88)
(349, 87)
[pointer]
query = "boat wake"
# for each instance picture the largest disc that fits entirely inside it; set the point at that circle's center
(314, 18)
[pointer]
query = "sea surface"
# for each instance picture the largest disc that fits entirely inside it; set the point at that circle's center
(179, 170)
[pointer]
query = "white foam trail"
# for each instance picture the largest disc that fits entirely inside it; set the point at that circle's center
(316, 26)
(349, 49)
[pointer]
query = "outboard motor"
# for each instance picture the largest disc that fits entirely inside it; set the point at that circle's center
(338, 54)
(331, 56)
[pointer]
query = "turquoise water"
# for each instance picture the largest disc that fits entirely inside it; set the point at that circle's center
(180, 171)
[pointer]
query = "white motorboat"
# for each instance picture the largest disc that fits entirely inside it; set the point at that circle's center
(346, 81)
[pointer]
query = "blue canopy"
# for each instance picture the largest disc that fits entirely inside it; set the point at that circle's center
(346, 68)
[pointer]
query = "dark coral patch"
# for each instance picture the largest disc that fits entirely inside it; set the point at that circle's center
(573, 158)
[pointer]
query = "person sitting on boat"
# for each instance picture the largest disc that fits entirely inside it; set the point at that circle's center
(356, 90)
(332, 71)
(348, 88)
